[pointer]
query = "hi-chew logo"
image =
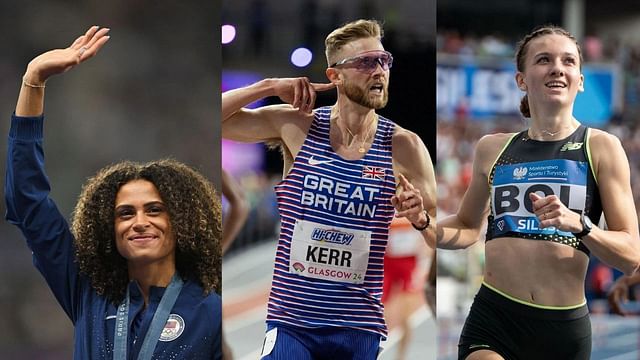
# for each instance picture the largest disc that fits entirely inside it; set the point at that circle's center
(332, 236)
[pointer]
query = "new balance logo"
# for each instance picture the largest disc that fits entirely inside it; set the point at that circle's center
(313, 161)
(571, 146)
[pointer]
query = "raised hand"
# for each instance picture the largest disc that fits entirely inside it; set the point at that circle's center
(408, 202)
(59, 61)
(299, 92)
(31, 98)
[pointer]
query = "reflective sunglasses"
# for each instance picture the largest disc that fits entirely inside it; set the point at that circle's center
(368, 61)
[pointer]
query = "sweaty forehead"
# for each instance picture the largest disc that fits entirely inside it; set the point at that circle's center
(359, 46)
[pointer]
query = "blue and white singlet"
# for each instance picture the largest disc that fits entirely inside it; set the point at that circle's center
(335, 217)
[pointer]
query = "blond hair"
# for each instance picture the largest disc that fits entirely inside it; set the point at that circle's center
(355, 30)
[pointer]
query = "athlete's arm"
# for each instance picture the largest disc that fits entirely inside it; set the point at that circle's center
(26, 185)
(461, 230)
(269, 122)
(41, 68)
(416, 182)
(238, 210)
(619, 246)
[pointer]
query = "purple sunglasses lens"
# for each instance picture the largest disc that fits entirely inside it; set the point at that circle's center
(372, 61)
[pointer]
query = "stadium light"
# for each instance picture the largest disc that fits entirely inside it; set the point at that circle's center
(228, 33)
(301, 57)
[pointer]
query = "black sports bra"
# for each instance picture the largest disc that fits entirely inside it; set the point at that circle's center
(560, 167)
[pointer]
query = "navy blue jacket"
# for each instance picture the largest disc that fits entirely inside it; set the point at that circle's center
(49, 238)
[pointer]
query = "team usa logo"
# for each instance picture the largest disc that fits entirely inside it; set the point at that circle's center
(173, 328)
(519, 173)
(373, 172)
(298, 267)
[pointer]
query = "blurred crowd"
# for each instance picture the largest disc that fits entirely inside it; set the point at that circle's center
(263, 218)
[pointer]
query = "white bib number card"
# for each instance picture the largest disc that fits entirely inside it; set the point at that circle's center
(329, 252)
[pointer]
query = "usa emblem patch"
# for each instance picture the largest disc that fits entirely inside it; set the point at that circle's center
(173, 328)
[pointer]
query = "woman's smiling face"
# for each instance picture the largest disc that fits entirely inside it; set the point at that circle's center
(142, 226)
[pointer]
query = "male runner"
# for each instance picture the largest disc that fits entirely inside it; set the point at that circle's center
(345, 170)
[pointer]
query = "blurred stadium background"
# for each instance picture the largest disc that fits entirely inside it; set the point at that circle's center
(477, 95)
(150, 93)
(285, 38)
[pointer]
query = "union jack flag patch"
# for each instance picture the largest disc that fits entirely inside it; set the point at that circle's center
(372, 172)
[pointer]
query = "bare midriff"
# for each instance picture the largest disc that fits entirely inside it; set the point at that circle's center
(537, 272)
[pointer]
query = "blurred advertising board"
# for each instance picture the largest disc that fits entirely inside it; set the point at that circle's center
(484, 88)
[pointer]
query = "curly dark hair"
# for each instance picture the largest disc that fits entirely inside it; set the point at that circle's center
(194, 211)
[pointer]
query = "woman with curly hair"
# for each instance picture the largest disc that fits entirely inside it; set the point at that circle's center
(138, 271)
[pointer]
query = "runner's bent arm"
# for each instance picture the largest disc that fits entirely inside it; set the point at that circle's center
(412, 160)
(269, 122)
(462, 229)
(619, 246)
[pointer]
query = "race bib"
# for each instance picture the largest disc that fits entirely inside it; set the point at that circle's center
(512, 185)
(329, 252)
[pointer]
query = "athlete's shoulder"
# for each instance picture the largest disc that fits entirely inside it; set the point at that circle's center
(214, 299)
(489, 147)
(494, 142)
(600, 140)
(195, 293)
(606, 152)
(404, 137)
(386, 120)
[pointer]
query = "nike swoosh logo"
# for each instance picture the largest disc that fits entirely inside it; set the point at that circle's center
(313, 161)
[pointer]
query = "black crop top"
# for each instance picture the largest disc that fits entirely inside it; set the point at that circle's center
(560, 167)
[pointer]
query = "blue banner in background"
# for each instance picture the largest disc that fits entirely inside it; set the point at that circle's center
(484, 88)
